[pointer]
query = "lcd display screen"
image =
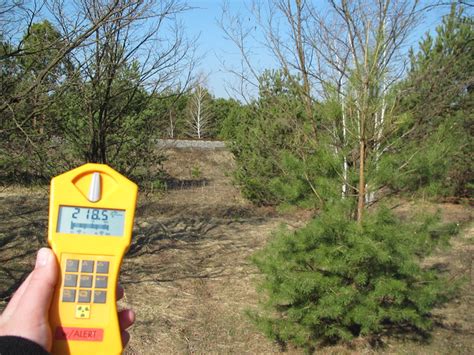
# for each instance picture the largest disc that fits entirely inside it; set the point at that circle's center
(91, 221)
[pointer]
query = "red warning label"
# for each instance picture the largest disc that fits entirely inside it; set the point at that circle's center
(83, 334)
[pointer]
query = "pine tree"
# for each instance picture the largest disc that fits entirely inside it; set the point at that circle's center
(336, 279)
(352, 271)
(438, 106)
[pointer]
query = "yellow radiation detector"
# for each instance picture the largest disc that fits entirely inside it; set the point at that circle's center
(90, 228)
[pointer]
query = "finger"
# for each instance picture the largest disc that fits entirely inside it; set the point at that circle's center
(126, 318)
(12, 305)
(120, 292)
(36, 299)
(125, 337)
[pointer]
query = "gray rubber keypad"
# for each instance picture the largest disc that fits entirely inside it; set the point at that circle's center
(101, 281)
(70, 280)
(85, 281)
(100, 296)
(102, 267)
(84, 296)
(69, 295)
(87, 266)
(72, 265)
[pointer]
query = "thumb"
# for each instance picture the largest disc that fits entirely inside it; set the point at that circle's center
(36, 298)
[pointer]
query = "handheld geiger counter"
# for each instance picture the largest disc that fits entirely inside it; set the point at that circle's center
(90, 227)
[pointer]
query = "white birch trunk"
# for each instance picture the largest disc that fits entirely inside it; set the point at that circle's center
(344, 158)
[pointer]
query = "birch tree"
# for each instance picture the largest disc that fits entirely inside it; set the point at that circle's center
(199, 111)
(349, 52)
(374, 32)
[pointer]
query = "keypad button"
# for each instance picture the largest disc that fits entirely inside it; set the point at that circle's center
(83, 311)
(102, 267)
(101, 281)
(72, 265)
(84, 296)
(69, 295)
(85, 281)
(100, 296)
(70, 280)
(87, 266)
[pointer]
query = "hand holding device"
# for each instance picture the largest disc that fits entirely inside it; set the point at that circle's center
(26, 315)
(90, 226)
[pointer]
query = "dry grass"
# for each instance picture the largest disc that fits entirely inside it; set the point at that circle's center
(188, 275)
(23, 223)
(454, 322)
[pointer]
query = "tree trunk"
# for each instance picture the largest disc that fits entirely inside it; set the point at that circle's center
(298, 32)
(345, 166)
(92, 156)
(103, 147)
(361, 192)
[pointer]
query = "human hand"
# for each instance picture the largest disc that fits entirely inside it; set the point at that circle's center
(26, 315)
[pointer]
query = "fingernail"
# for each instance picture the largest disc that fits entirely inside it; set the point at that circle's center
(43, 257)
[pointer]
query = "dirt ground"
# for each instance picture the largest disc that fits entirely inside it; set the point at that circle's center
(188, 274)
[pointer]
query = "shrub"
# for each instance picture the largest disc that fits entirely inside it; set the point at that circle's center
(279, 160)
(334, 279)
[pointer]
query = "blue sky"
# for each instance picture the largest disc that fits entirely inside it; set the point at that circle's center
(213, 48)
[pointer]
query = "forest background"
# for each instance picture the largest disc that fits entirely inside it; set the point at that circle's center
(348, 118)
